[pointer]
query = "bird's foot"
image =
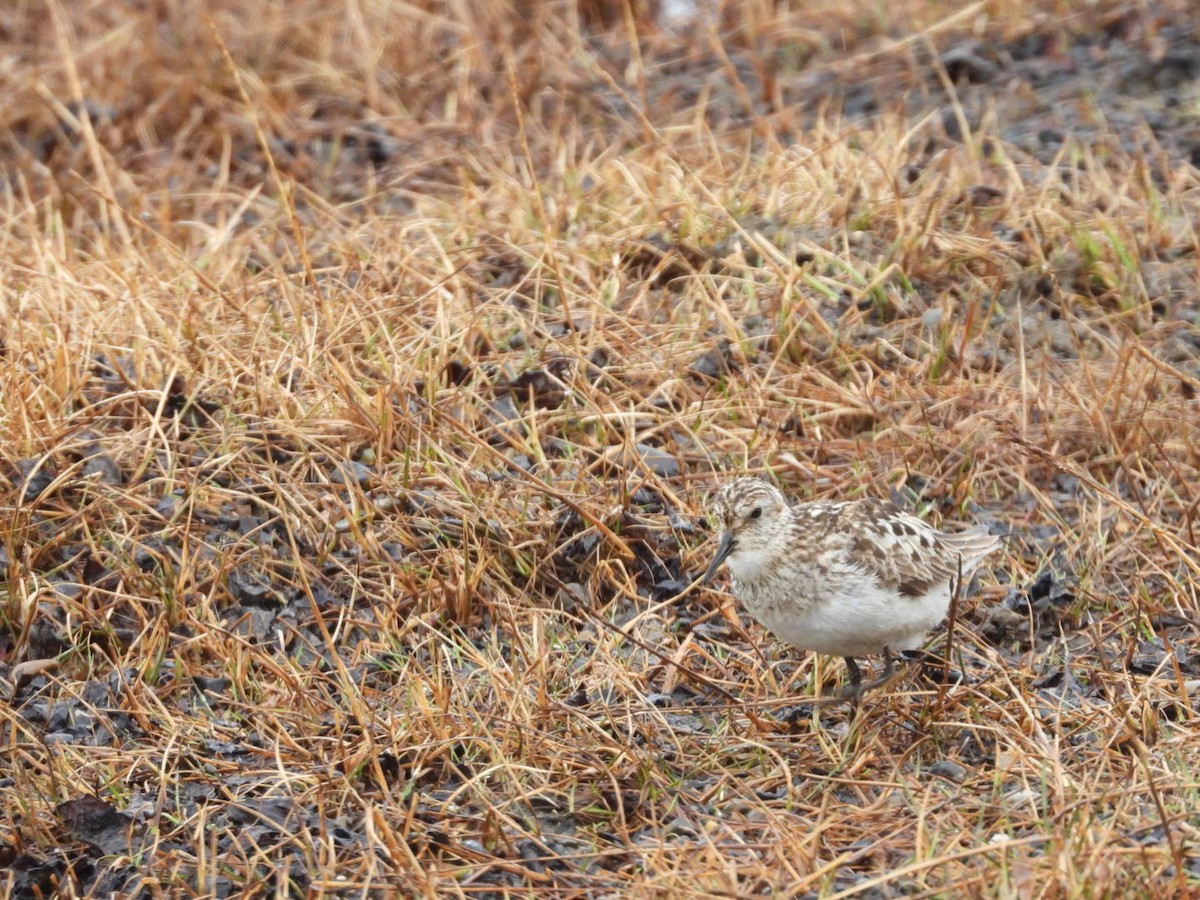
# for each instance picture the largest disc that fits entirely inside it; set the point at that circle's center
(882, 680)
(854, 691)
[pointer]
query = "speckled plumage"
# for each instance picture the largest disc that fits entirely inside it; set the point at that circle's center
(847, 579)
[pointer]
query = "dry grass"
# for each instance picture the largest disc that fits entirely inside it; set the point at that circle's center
(365, 369)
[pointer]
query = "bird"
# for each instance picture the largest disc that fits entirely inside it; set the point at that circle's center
(850, 578)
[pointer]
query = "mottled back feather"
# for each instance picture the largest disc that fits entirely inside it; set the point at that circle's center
(908, 555)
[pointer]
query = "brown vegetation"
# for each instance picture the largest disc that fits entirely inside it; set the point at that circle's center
(365, 368)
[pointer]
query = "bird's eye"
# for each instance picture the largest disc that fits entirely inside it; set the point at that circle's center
(756, 512)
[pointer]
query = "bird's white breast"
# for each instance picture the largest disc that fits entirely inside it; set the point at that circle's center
(843, 616)
(750, 565)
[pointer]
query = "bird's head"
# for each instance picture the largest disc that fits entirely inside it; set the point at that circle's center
(751, 514)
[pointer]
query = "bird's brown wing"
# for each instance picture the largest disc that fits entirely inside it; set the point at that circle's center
(900, 550)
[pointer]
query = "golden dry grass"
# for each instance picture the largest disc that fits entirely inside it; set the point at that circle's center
(365, 369)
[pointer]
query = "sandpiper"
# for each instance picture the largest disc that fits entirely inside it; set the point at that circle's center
(848, 579)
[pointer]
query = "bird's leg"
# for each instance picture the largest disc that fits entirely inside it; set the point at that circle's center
(853, 691)
(856, 688)
(855, 672)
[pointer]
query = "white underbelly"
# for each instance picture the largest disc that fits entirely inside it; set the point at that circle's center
(852, 624)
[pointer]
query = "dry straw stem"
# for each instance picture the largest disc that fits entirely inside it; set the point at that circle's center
(365, 368)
